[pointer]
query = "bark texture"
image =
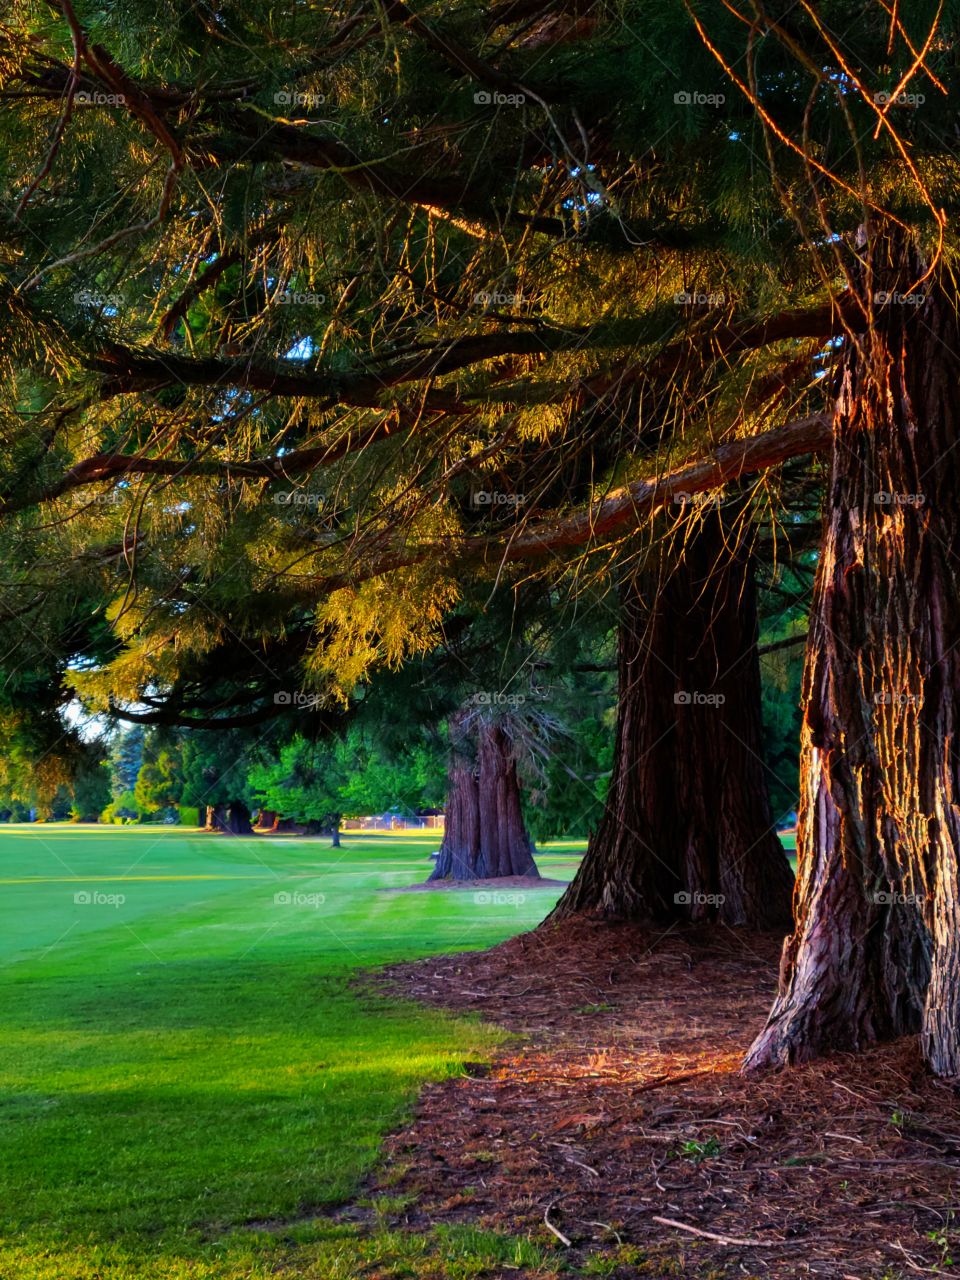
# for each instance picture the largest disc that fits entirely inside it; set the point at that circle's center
(875, 950)
(484, 832)
(686, 832)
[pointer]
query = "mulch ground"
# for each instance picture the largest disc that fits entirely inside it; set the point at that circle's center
(619, 1103)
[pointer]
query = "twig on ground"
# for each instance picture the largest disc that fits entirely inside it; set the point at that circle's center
(549, 1225)
(712, 1235)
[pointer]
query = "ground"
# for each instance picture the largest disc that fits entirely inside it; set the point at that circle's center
(200, 1062)
(619, 1110)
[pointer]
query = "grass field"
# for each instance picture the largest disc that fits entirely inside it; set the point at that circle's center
(184, 1067)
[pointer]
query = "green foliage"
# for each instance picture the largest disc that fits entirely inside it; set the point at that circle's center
(160, 777)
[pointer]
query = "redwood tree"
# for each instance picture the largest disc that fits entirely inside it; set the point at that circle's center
(875, 951)
(687, 831)
(484, 834)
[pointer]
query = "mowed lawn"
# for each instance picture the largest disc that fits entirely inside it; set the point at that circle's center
(183, 1066)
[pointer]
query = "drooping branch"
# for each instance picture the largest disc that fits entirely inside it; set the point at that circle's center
(133, 368)
(612, 514)
(107, 467)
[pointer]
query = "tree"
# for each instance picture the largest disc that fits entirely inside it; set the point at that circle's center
(126, 758)
(875, 952)
(91, 787)
(609, 314)
(687, 831)
(484, 832)
(159, 783)
(306, 784)
(875, 948)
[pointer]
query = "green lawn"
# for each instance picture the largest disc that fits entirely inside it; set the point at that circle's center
(183, 1065)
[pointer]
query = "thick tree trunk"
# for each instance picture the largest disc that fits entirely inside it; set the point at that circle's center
(232, 819)
(875, 951)
(484, 833)
(686, 832)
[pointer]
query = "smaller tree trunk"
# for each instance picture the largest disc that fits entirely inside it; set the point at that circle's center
(484, 833)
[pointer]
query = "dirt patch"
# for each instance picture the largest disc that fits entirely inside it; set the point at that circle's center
(622, 1104)
(496, 884)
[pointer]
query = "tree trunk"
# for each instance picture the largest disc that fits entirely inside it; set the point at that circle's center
(484, 833)
(687, 832)
(875, 950)
(232, 819)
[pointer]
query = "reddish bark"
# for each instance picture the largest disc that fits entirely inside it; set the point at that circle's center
(484, 832)
(882, 703)
(687, 832)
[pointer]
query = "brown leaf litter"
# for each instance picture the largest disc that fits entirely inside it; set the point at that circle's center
(617, 1118)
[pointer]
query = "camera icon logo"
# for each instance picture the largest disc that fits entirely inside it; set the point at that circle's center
(482, 98)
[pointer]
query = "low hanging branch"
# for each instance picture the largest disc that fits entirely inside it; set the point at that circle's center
(613, 513)
(134, 368)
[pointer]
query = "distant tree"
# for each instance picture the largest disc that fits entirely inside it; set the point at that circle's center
(159, 782)
(91, 787)
(306, 783)
(126, 758)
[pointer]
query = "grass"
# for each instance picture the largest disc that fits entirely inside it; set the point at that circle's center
(186, 1075)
